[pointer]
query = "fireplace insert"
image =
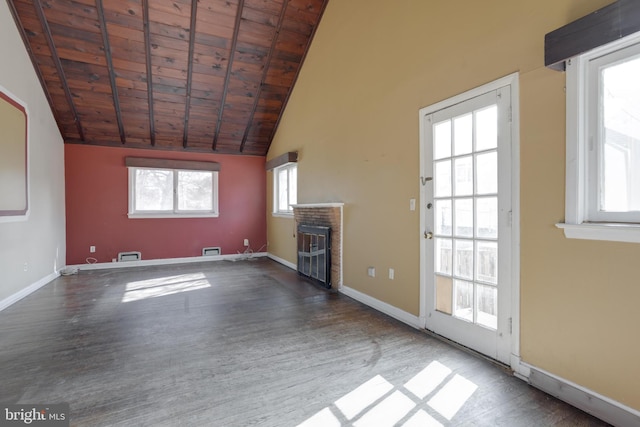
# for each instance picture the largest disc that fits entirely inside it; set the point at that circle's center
(314, 253)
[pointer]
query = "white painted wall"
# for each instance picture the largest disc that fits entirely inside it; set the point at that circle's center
(39, 240)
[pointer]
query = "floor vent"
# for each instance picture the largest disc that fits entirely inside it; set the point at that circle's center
(129, 256)
(211, 251)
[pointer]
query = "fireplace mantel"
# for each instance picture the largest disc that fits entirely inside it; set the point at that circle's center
(319, 205)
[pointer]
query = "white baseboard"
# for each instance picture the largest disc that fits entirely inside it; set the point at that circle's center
(165, 261)
(388, 309)
(282, 261)
(520, 370)
(12, 299)
(589, 401)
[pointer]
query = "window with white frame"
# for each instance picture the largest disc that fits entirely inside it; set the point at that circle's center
(285, 188)
(603, 143)
(167, 193)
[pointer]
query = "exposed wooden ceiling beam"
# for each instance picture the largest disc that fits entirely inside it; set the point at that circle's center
(234, 42)
(147, 48)
(45, 88)
(56, 61)
(112, 73)
(265, 71)
(192, 41)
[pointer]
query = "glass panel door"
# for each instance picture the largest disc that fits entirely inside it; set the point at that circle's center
(466, 217)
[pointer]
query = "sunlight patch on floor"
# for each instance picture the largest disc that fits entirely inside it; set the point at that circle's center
(388, 412)
(352, 403)
(452, 396)
(428, 379)
(162, 286)
(378, 403)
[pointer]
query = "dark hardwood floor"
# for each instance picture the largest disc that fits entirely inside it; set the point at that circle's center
(245, 343)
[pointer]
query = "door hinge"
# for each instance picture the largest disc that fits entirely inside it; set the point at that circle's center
(510, 325)
(510, 218)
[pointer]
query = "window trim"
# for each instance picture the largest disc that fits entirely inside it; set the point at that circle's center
(132, 213)
(276, 190)
(577, 224)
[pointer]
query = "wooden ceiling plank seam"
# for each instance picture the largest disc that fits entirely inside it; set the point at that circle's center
(264, 75)
(147, 42)
(192, 42)
(234, 41)
(56, 60)
(34, 62)
(110, 69)
(295, 78)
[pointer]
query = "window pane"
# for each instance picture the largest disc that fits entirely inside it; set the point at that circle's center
(463, 300)
(487, 128)
(487, 217)
(487, 256)
(620, 164)
(444, 294)
(443, 217)
(463, 259)
(463, 134)
(487, 304)
(293, 186)
(442, 140)
(487, 170)
(443, 179)
(154, 190)
(283, 190)
(464, 217)
(463, 168)
(444, 256)
(195, 191)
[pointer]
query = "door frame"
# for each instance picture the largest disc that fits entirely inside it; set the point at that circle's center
(511, 80)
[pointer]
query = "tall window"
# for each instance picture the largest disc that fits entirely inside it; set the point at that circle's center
(172, 193)
(285, 188)
(603, 140)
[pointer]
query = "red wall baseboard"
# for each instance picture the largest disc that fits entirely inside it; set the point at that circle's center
(96, 182)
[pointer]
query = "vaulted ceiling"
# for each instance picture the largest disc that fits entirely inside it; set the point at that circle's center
(194, 75)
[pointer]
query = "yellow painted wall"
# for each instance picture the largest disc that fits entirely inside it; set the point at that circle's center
(353, 118)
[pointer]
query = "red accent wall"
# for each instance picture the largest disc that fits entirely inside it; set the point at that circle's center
(96, 182)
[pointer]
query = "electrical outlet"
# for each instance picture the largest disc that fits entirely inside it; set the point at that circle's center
(371, 271)
(92, 249)
(26, 266)
(412, 204)
(392, 274)
(246, 242)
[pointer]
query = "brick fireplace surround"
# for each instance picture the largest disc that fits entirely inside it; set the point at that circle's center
(326, 215)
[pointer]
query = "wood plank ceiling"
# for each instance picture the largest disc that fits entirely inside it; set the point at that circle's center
(201, 75)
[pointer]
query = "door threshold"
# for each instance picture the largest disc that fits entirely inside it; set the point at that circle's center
(506, 368)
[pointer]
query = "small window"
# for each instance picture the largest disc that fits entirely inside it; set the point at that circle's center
(603, 142)
(285, 186)
(165, 193)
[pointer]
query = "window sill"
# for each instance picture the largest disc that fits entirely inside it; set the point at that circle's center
(167, 215)
(602, 231)
(282, 215)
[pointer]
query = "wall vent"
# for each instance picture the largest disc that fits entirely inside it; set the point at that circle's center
(211, 251)
(129, 256)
